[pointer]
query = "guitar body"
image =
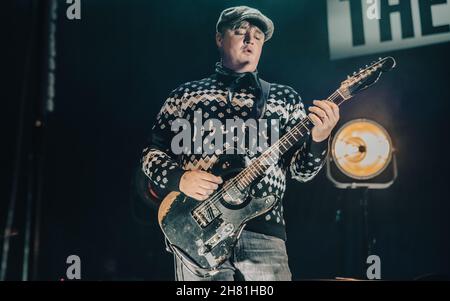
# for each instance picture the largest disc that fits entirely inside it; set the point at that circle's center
(205, 237)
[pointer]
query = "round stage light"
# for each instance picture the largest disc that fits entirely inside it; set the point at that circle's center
(362, 149)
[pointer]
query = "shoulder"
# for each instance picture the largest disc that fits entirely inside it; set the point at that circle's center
(285, 92)
(195, 85)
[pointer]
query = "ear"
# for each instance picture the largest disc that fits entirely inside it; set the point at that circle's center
(219, 39)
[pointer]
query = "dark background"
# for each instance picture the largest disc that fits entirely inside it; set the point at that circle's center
(114, 69)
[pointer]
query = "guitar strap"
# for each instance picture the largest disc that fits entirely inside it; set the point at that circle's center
(261, 103)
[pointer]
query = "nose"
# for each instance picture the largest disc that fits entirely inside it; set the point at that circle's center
(248, 39)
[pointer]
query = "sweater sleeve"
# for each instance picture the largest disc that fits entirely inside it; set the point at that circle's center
(158, 161)
(309, 158)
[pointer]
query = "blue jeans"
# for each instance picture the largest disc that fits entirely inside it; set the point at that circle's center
(256, 257)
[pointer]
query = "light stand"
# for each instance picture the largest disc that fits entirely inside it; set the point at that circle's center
(361, 154)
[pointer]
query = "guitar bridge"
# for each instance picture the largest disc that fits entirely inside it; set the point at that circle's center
(222, 233)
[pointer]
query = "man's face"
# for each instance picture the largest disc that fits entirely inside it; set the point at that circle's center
(241, 47)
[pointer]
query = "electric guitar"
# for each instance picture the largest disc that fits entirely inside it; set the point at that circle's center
(203, 234)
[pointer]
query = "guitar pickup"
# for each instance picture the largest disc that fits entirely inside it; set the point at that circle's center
(205, 216)
(222, 233)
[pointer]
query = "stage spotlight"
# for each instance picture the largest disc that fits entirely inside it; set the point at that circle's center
(362, 157)
(361, 151)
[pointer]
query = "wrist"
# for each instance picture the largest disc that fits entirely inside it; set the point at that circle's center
(319, 139)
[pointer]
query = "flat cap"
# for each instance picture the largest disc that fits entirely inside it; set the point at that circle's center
(240, 13)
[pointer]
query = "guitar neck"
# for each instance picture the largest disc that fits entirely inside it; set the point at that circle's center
(270, 156)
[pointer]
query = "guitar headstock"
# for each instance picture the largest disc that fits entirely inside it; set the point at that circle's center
(366, 77)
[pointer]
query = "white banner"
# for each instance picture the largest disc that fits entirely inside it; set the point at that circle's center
(361, 27)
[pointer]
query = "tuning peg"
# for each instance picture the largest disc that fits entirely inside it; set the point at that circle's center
(354, 73)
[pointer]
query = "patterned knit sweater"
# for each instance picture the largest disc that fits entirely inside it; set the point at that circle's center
(225, 97)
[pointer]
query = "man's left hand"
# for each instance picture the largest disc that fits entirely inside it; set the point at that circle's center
(324, 115)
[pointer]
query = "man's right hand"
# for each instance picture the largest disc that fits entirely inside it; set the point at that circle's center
(199, 184)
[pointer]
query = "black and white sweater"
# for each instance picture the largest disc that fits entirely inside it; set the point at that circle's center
(212, 96)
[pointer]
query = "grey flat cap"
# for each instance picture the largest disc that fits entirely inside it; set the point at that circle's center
(240, 13)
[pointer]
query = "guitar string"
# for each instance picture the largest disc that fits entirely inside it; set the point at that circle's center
(205, 205)
(217, 195)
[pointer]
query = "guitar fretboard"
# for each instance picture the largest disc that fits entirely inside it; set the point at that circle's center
(271, 156)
